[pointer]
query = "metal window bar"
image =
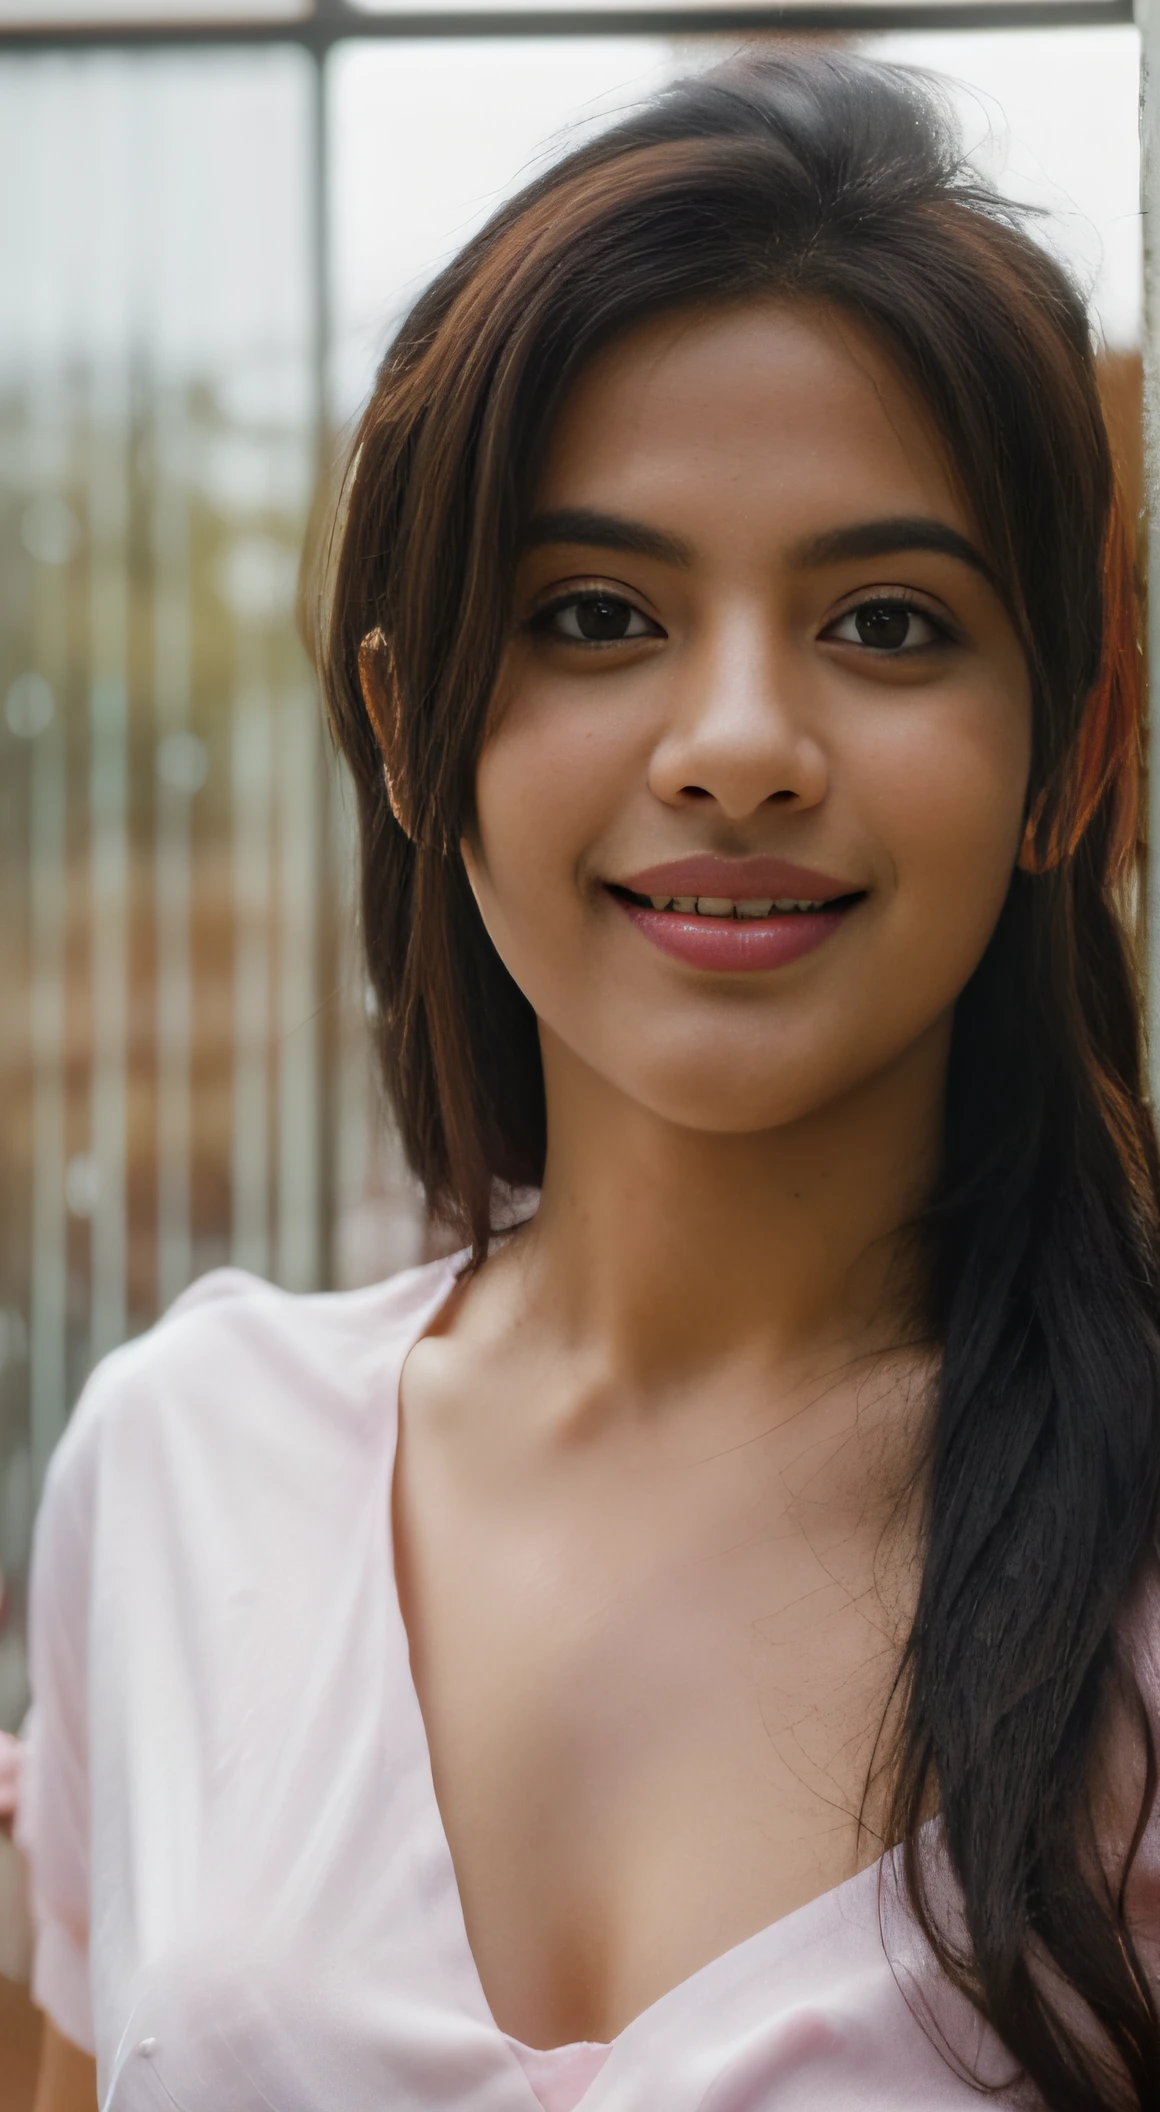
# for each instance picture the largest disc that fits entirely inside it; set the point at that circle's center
(332, 21)
(172, 867)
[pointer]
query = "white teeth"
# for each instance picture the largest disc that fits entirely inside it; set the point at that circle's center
(725, 906)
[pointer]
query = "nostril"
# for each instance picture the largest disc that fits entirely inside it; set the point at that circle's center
(694, 792)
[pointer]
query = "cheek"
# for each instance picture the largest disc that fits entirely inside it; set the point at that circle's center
(945, 796)
(547, 785)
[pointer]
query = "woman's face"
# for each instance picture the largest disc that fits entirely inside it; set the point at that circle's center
(756, 663)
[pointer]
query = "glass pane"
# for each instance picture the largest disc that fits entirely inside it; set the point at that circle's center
(451, 125)
(1052, 116)
(162, 794)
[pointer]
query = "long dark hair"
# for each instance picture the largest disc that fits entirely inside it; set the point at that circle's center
(814, 176)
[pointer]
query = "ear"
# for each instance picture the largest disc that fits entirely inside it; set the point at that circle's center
(1027, 861)
(1031, 858)
(374, 675)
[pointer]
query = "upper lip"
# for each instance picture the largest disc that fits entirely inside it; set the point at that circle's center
(737, 880)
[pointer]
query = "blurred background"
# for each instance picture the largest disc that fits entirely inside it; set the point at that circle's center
(209, 223)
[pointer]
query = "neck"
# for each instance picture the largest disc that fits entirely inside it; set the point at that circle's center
(669, 1250)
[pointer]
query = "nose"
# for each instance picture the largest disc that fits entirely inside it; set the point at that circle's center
(742, 729)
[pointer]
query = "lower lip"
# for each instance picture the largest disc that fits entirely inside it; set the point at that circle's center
(731, 944)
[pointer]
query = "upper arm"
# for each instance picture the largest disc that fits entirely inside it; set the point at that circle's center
(67, 2081)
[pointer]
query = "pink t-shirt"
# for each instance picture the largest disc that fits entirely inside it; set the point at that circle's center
(244, 1894)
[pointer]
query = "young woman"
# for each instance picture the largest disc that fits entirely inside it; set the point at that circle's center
(696, 1649)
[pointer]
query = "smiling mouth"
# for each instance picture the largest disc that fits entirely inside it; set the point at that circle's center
(726, 907)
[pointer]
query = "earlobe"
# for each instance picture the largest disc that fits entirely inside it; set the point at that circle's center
(1031, 858)
(374, 659)
(1027, 861)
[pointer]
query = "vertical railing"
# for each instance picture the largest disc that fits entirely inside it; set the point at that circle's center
(299, 773)
(108, 890)
(37, 705)
(180, 773)
(1148, 17)
(251, 759)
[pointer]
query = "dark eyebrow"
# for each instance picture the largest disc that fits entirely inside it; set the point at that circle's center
(605, 531)
(611, 531)
(883, 538)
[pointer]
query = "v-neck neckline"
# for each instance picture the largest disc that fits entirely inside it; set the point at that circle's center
(705, 1979)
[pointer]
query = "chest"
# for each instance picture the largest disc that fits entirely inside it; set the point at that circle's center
(651, 1700)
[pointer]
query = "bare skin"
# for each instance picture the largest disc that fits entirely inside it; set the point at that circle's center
(653, 1567)
(652, 1553)
(68, 2078)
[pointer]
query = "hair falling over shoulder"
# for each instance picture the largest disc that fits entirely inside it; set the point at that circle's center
(813, 176)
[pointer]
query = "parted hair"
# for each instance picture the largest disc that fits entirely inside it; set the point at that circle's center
(814, 176)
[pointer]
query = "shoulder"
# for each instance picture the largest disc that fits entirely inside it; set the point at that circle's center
(237, 1365)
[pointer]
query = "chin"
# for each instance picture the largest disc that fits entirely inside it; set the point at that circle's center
(724, 1103)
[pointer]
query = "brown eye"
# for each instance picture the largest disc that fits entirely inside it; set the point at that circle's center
(888, 627)
(883, 624)
(594, 619)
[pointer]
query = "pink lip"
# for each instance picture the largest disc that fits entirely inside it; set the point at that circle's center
(740, 879)
(727, 943)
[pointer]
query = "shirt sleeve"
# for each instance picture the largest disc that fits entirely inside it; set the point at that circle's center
(53, 1820)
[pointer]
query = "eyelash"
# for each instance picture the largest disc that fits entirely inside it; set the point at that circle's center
(896, 599)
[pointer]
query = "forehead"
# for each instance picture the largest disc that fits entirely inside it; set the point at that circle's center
(763, 408)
